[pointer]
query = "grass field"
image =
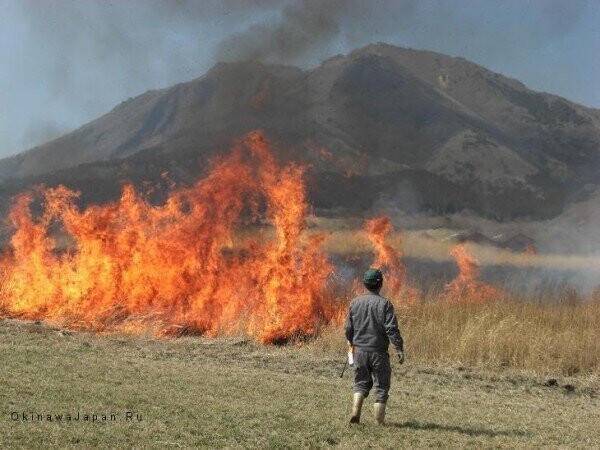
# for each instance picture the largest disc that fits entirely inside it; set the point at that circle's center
(234, 393)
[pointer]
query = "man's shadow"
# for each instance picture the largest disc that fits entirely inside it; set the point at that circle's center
(454, 428)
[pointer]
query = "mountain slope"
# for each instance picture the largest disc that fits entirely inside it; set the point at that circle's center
(377, 125)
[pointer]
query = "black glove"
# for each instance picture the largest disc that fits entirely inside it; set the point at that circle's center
(401, 356)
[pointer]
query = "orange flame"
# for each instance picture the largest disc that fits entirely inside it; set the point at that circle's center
(180, 264)
(325, 154)
(261, 96)
(388, 258)
(467, 286)
(356, 167)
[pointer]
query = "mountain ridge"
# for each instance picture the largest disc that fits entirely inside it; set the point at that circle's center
(380, 111)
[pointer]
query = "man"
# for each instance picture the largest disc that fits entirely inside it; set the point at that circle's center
(370, 326)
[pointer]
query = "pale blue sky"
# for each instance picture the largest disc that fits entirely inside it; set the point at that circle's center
(65, 62)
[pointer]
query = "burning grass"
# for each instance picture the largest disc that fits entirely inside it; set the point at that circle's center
(190, 266)
(175, 264)
(184, 266)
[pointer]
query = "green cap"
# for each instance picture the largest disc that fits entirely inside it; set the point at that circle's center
(373, 276)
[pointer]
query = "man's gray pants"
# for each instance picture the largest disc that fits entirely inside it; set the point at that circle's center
(372, 369)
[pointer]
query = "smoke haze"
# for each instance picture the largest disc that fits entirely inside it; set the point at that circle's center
(305, 30)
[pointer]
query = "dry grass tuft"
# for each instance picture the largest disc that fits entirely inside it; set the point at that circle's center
(560, 337)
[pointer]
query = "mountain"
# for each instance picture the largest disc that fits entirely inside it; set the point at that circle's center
(382, 127)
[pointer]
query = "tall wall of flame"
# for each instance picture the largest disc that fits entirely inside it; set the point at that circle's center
(176, 263)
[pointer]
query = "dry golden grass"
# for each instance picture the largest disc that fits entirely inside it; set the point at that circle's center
(561, 337)
(195, 392)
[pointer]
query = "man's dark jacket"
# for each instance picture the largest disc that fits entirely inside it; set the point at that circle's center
(371, 324)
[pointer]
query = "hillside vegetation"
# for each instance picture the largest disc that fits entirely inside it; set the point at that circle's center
(398, 127)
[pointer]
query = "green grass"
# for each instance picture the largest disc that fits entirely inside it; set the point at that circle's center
(234, 393)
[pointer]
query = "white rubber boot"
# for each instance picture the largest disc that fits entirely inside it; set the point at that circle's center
(379, 410)
(357, 402)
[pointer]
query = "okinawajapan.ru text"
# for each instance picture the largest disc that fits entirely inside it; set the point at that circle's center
(47, 416)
